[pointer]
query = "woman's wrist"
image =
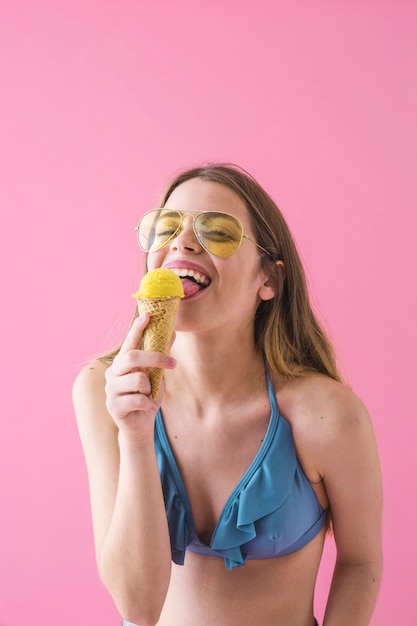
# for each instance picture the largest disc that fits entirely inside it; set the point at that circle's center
(130, 443)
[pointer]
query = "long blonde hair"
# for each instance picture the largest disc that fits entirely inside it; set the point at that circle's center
(287, 332)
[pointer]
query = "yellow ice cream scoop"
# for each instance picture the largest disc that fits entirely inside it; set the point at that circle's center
(160, 283)
(159, 295)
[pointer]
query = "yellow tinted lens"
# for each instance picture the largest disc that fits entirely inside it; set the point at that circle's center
(219, 233)
(157, 228)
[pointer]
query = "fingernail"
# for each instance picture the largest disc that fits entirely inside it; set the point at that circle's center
(171, 362)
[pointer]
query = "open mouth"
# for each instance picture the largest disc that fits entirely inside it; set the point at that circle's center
(192, 281)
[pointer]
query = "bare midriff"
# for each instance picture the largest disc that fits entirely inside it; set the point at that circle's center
(264, 592)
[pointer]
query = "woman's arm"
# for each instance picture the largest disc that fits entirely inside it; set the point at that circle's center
(351, 473)
(129, 518)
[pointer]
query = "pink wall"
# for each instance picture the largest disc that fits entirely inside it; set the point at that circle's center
(100, 102)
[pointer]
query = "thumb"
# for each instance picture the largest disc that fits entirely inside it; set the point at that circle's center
(133, 338)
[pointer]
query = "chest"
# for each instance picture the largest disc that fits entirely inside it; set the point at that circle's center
(212, 458)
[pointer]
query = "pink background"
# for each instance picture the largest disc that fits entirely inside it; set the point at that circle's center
(100, 103)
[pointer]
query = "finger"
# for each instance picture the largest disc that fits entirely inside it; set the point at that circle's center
(121, 406)
(134, 336)
(133, 360)
(132, 382)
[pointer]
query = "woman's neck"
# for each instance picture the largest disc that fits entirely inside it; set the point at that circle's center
(222, 367)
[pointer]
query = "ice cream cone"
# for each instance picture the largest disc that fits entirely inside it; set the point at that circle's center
(159, 295)
(158, 333)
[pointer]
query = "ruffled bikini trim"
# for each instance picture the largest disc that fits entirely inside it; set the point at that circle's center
(264, 488)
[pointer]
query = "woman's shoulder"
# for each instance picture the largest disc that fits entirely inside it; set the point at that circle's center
(91, 375)
(88, 391)
(327, 420)
(317, 403)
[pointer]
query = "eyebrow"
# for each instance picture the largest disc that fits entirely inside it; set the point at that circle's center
(169, 212)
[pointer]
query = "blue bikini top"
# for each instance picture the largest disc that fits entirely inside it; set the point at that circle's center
(272, 511)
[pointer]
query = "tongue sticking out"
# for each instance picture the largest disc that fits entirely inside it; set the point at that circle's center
(190, 287)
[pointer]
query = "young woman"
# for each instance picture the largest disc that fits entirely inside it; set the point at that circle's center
(210, 506)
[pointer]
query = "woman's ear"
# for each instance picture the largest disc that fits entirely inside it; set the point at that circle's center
(274, 282)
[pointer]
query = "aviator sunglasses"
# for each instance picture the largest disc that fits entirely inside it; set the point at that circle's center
(220, 234)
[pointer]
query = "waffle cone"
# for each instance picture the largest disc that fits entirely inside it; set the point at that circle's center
(158, 333)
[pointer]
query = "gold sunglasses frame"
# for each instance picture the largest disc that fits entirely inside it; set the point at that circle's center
(182, 214)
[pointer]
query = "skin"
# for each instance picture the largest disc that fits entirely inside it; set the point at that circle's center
(216, 411)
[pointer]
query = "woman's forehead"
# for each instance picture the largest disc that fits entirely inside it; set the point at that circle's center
(197, 195)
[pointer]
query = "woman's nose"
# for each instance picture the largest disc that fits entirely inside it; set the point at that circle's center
(186, 238)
